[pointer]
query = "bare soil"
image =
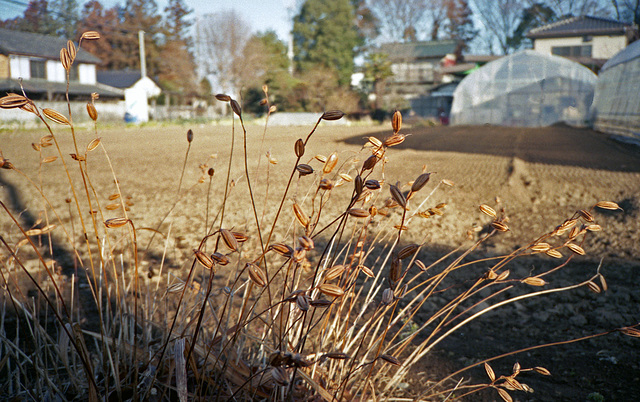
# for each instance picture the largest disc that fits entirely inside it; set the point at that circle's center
(539, 176)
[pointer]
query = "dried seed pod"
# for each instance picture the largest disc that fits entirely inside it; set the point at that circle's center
(229, 239)
(395, 270)
(320, 303)
(36, 147)
(540, 247)
(586, 215)
(387, 296)
(420, 182)
(420, 265)
(396, 121)
(608, 205)
(541, 370)
(90, 35)
(210, 172)
(534, 281)
(336, 355)
(358, 212)
(273, 108)
(235, 106)
(346, 177)
(56, 117)
(487, 210)
(304, 169)
(504, 395)
(373, 211)
(500, 226)
(332, 115)
(189, 135)
(375, 142)
(367, 271)
(408, 251)
(282, 249)
(358, 185)
(223, 97)
(398, 196)
(321, 158)
(331, 290)
(504, 275)
(78, 158)
(302, 218)
(325, 184)
(256, 274)
(93, 144)
(447, 182)
(306, 242)
(370, 163)
(372, 184)
(71, 49)
(65, 59)
(394, 140)
(603, 283)
(302, 302)
(553, 253)
(91, 111)
(220, 258)
(29, 107)
(334, 272)
(516, 368)
(575, 232)
(390, 359)
(593, 287)
(594, 228)
(490, 373)
(491, 275)
(13, 101)
(330, 163)
(299, 148)
(515, 384)
(575, 248)
(203, 259)
(566, 225)
(263, 102)
(49, 159)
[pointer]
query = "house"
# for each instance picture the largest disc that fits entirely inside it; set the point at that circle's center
(137, 91)
(31, 62)
(415, 67)
(590, 41)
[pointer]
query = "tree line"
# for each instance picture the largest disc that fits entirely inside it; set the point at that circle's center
(220, 52)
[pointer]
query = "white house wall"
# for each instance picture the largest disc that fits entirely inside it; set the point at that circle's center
(20, 67)
(602, 47)
(55, 72)
(87, 74)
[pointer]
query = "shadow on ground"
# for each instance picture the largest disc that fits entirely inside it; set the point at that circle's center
(556, 145)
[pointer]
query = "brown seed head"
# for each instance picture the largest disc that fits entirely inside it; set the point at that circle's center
(65, 59)
(299, 148)
(55, 116)
(90, 35)
(332, 115)
(387, 296)
(256, 274)
(210, 172)
(394, 140)
(358, 212)
(499, 226)
(13, 101)
(302, 302)
(487, 210)
(189, 135)
(302, 218)
(229, 239)
(490, 373)
(390, 359)
(223, 97)
(397, 196)
(575, 248)
(396, 121)
(420, 182)
(306, 242)
(334, 272)
(608, 205)
(282, 249)
(330, 163)
(304, 169)
(220, 258)
(71, 49)
(235, 106)
(91, 111)
(203, 259)
(325, 184)
(408, 251)
(331, 290)
(534, 281)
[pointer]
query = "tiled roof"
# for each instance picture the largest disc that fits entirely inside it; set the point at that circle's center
(43, 87)
(418, 50)
(118, 78)
(579, 26)
(32, 44)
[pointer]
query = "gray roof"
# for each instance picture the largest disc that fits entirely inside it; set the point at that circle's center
(580, 26)
(43, 87)
(419, 50)
(45, 46)
(118, 78)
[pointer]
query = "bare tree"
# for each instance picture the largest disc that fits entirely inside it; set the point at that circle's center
(565, 8)
(627, 10)
(401, 19)
(499, 19)
(220, 40)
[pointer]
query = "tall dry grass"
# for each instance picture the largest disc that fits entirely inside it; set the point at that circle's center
(331, 311)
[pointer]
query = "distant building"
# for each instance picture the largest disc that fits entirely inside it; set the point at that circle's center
(137, 90)
(415, 67)
(590, 41)
(33, 61)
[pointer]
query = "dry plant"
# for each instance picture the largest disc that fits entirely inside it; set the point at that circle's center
(330, 312)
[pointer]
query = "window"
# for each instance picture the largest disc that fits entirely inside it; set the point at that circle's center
(73, 73)
(572, 51)
(38, 69)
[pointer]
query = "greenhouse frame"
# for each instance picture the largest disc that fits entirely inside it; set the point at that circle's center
(528, 89)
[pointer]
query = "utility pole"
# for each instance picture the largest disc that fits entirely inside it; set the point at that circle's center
(143, 59)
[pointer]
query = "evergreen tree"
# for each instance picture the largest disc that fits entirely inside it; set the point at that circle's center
(66, 17)
(37, 18)
(326, 35)
(534, 16)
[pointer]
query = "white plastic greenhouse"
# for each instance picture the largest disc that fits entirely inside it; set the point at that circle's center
(616, 106)
(528, 89)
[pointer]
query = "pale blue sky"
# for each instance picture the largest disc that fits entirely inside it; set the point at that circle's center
(261, 15)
